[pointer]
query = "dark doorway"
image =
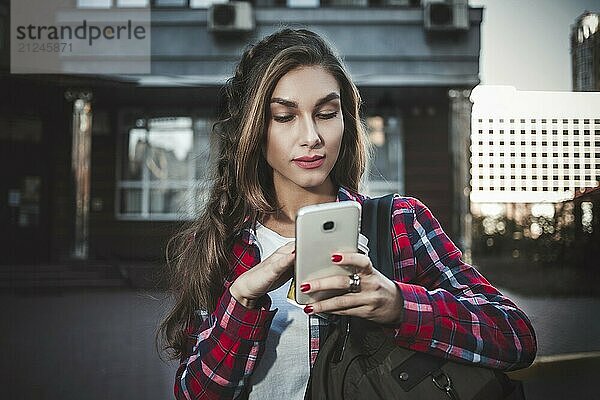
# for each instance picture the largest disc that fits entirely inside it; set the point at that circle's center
(23, 191)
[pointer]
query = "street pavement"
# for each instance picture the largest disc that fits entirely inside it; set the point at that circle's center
(98, 343)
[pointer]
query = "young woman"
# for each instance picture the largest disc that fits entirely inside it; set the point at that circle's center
(290, 135)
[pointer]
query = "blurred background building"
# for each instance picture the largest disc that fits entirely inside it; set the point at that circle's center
(103, 167)
(585, 52)
(535, 159)
(533, 147)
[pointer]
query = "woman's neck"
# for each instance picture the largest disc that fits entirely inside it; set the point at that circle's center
(291, 199)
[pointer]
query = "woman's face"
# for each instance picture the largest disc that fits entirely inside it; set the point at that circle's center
(305, 129)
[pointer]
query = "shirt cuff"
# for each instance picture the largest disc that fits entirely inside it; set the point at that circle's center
(244, 323)
(416, 329)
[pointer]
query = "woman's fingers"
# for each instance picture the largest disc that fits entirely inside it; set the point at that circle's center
(350, 302)
(379, 298)
(341, 282)
(281, 260)
(361, 262)
(268, 274)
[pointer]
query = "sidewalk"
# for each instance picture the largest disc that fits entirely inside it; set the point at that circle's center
(564, 376)
(97, 343)
(92, 274)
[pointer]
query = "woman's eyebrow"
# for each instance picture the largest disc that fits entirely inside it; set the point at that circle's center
(294, 104)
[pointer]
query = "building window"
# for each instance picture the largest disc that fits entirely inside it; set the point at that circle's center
(387, 166)
(133, 3)
(94, 3)
(170, 3)
(163, 162)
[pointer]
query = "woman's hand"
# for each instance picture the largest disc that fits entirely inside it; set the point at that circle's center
(378, 300)
(268, 275)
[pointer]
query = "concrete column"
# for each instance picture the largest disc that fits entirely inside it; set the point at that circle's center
(80, 168)
(460, 141)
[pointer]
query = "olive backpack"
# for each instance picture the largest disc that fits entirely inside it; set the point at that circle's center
(358, 360)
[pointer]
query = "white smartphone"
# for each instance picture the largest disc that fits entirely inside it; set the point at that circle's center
(321, 230)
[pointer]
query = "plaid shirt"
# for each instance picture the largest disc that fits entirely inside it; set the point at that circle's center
(450, 311)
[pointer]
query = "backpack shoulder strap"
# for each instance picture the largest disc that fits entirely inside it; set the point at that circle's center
(376, 225)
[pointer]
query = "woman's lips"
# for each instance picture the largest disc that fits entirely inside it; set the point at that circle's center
(307, 163)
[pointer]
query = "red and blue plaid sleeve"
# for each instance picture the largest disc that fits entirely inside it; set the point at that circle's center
(224, 350)
(450, 309)
(223, 347)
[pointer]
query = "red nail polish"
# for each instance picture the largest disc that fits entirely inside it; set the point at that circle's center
(336, 258)
(305, 287)
(308, 309)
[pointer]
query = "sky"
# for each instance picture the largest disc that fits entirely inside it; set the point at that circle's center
(525, 43)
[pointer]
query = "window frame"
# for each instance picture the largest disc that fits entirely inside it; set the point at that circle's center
(126, 122)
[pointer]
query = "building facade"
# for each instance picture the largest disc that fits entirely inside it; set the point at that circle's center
(585, 53)
(107, 166)
(533, 147)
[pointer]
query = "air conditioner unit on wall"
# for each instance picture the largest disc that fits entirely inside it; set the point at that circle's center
(234, 16)
(448, 15)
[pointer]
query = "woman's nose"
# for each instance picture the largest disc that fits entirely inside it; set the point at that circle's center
(309, 133)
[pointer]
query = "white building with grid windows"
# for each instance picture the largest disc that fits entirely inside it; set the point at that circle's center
(533, 146)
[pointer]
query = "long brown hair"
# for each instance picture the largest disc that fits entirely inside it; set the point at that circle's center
(242, 182)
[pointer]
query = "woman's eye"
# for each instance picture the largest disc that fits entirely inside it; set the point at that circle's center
(283, 118)
(328, 115)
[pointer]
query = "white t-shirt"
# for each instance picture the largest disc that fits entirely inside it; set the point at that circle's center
(284, 368)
